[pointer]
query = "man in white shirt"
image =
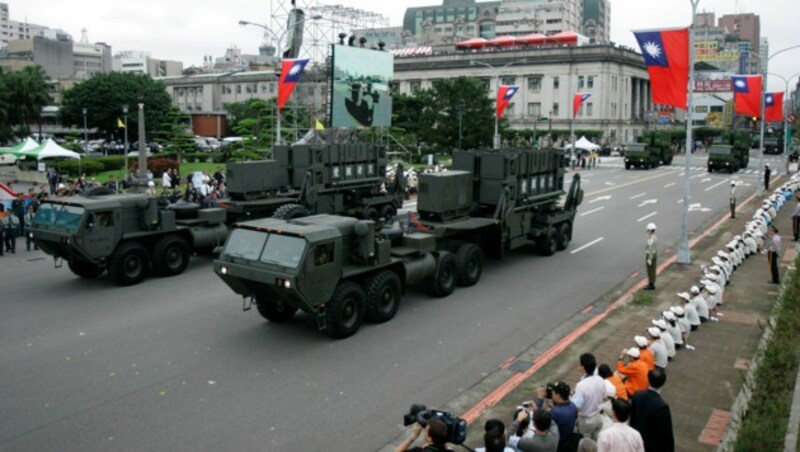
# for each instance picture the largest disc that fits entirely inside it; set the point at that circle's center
(700, 304)
(620, 437)
(589, 395)
(660, 357)
(665, 338)
(690, 311)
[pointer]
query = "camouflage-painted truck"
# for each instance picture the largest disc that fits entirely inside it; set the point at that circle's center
(344, 270)
(730, 152)
(652, 149)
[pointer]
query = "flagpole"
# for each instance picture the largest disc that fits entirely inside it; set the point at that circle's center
(574, 112)
(684, 254)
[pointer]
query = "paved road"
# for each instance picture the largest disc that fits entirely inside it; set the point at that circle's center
(173, 364)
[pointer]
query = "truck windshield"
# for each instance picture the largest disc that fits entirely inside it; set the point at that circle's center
(282, 250)
(59, 216)
(634, 148)
(719, 150)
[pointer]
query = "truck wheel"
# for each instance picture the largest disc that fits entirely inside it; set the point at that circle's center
(383, 295)
(388, 212)
(564, 236)
(370, 213)
(469, 264)
(443, 281)
(627, 166)
(170, 256)
(345, 310)
(274, 312)
(547, 245)
(710, 170)
(84, 269)
(290, 212)
(128, 265)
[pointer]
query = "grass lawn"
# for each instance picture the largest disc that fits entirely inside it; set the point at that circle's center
(186, 168)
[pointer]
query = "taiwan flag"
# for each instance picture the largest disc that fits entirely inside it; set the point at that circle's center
(774, 107)
(666, 54)
(291, 70)
(504, 95)
(577, 102)
(746, 94)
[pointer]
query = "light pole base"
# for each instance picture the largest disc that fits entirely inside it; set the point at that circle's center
(496, 142)
(684, 256)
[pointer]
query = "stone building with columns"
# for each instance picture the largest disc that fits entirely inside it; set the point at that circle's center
(616, 78)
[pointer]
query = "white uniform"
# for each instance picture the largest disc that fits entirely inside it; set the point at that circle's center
(691, 315)
(750, 245)
(701, 306)
(669, 342)
(659, 353)
(675, 331)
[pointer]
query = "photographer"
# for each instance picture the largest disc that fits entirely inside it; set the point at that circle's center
(435, 438)
(544, 437)
(563, 412)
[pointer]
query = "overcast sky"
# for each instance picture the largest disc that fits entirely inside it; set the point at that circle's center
(186, 30)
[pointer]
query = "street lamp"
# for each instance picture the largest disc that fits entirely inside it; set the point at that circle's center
(496, 140)
(279, 50)
(125, 151)
(85, 130)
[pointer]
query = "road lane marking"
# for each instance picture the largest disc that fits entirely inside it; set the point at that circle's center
(646, 217)
(669, 185)
(628, 184)
(601, 198)
(638, 196)
(592, 243)
(592, 211)
(649, 201)
(716, 185)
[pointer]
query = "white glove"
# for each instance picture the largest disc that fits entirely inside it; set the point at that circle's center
(649, 262)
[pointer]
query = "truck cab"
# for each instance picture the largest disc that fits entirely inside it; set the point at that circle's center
(638, 155)
(722, 157)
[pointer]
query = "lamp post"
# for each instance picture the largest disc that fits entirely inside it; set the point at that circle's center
(142, 149)
(460, 111)
(496, 138)
(684, 255)
(85, 130)
(279, 51)
(786, 112)
(125, 151)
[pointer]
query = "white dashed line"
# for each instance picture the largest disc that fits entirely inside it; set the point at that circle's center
(638, 196)
(669, 185)
(592, 211)
(717, 185)
(593, 242)
(646, 217)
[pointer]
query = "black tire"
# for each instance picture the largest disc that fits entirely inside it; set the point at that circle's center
(344, 312)
(710, 170)
(384, 292)
(627, 166)
(128, 264)
(170, 256)
(469, 264)
(443, 281)
(371, 213)
(84, 269)
(388, 213)
(274, 312)
(547, 244)
(564, 236)
(290, 212)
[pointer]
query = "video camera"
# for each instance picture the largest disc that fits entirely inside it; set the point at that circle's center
(456, 427)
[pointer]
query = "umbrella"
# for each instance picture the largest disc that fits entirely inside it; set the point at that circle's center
(474, 43)
(533, 38)
(502, 41)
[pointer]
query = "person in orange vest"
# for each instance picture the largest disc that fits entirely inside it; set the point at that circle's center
(604, 371)
(645, 355)
(633, 370)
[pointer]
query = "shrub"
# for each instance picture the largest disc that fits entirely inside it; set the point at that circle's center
(113, 162)
(158, 166)
(75, 167)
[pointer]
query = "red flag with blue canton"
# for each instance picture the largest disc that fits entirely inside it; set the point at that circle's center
(291, 70)
(577, 102)
(666, 54)
(774, 107)
(504, 95)
(746, 94)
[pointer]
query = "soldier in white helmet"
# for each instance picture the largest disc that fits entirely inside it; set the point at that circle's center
(651, 256)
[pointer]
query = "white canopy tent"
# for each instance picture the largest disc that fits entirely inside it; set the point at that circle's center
(49, 149)
(585, 145)
(26, 145)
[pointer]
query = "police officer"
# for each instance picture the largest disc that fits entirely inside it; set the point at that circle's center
(651, 254)
(767, 173)
(733, 199)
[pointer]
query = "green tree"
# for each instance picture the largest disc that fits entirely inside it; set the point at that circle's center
(104, 95)
(255, 119)
(438, 124)
(27, 93)
(174, 133)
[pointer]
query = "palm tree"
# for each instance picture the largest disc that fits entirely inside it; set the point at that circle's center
(28, 94)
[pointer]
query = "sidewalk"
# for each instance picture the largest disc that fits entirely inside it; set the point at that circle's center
(702, 384)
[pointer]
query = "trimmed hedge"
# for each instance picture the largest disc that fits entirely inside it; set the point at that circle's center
(75, 167)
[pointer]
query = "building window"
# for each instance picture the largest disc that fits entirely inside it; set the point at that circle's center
(451, 14)
(555, 109)
(556, 82)
(510, 109)
(701, 109)
(535, 109)
(507, 80)
(415, 87)
(613, 110)
(580, 82)
(589, 109)
(238, 89)
(590, 81)
(535, 83)
(614, 82)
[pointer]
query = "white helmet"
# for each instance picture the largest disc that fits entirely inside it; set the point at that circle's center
(651, 227)
(151, 184)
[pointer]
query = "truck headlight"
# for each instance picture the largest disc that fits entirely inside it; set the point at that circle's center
(627, 160)
(287, 284)
(727, 164)
(223, 270)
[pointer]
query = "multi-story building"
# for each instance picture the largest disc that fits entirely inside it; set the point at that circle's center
(54, 56)
(90, 58)
(12, 30)
(615, 77)
(521, 17)
(452, 21)
(745, 27)
(597, 20)
(138, 62)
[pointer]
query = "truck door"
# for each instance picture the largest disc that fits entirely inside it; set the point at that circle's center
(100, 236)
(323, 271)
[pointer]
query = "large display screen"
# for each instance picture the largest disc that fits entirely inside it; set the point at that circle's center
(361, 80)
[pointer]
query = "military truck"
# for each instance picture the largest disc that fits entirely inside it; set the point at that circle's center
(125, 236)
(652, 150)
(344, 270)
(345, 179)
(731, 152)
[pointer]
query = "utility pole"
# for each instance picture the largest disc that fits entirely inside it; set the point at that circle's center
(684, 254)
(125, 151)
(142, 148)
(85, 131)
